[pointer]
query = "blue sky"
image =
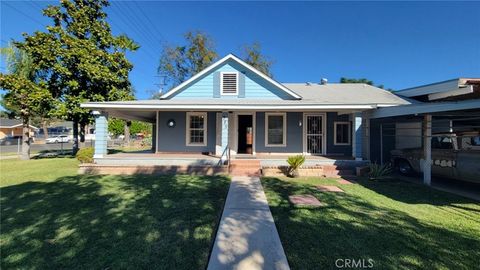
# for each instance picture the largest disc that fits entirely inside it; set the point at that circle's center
(398, 44)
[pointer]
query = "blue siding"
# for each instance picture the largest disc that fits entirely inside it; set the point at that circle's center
(333, 149)
(173, 139)
(255, 86)
(294, 135)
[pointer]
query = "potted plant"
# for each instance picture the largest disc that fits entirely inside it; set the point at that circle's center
(295, 162)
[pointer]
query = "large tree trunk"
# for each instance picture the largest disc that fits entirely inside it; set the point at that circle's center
(82, 134)
(126, 132)
(75, 137)
(25, 140)
(45, 128)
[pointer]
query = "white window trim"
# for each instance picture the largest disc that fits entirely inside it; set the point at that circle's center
(221, 84)
(335, 132)
(187, 129)
(284, 144)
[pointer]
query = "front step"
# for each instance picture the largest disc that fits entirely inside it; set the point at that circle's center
(249, 167)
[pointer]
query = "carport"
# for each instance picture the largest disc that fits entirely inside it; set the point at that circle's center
(451, 107)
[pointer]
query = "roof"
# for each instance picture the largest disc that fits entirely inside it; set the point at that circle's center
(220, 62)
(314, 97)
(424, 108)
(441, 90)
(12, 123)
(346, 93)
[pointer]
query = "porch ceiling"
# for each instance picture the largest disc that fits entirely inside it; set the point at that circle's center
(140, 115)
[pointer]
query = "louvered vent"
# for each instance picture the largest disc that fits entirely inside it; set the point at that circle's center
(229, 83)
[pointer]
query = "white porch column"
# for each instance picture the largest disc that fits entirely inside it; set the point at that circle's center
(101, 134)
(357, 136)
(427, 149)
(224, 138)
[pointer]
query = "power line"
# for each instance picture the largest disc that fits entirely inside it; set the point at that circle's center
(133, 25)
(24, 14)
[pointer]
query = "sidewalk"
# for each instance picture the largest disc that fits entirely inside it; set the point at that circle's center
(247, 237)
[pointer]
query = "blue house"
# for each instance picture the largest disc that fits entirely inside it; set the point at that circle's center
(232, 108)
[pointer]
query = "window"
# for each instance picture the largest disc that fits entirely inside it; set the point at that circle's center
(442, 143)
(275, 129)
(196, 129)
(229, 83)
(341, 133)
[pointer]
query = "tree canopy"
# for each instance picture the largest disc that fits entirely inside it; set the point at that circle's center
(362, 80)
(255, 58)
(81, 59)
(180, 62)
(26, 94)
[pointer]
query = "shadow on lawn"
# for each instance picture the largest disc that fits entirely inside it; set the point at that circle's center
(350, 227)
(111, 222)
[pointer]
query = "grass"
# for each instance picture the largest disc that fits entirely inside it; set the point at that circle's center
(54, 219)
(15, 171)
(399, 225)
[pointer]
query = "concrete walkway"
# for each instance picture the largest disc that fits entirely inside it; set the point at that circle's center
(247, 237)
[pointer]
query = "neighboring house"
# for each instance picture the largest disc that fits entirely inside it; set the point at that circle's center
(13, 127)
(232, 107)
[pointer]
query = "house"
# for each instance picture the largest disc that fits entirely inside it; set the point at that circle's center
(13, 127)
(230, 109)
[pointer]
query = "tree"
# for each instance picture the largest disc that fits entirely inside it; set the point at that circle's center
(255, 58)
(81, 58)
(26, 95)
(362, 80)
(179, 63)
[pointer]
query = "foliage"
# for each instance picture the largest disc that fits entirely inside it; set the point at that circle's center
(117, 127)
(85, 155)
(295, 162)
(255, 58)
(87, 215)
(418, 224)
(26, 94)
(80, 58)
(377, 171)
(178, 63)
(362, 80)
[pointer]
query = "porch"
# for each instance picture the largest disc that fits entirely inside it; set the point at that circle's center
(205, 137)
(147, 158)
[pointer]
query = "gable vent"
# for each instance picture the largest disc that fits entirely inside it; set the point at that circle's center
(229, 83)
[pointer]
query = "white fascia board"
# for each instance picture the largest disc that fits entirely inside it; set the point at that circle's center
(457, 92)
(425, 108)
(221, 61)
(433, 88)
(227, 107)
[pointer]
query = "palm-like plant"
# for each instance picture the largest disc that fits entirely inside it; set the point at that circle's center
(295, 162)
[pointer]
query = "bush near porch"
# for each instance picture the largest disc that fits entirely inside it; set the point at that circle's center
(399, 225)
(52, 218)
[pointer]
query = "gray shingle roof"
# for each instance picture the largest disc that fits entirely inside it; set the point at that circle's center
(5, 122)
(312, 94)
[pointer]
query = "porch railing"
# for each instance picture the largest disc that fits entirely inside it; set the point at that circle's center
(227, 155)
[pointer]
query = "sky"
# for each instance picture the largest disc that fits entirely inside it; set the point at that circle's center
(397, 44)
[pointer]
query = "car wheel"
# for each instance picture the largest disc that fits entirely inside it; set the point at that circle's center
(404, 167)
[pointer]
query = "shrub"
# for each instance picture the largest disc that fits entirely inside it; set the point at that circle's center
(295, 162)
(379, 171)
(85, 155)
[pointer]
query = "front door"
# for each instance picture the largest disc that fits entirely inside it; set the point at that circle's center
(245, 134)
(314, 134)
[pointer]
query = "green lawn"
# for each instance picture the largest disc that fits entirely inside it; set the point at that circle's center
(399, 225)
(54, 219)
